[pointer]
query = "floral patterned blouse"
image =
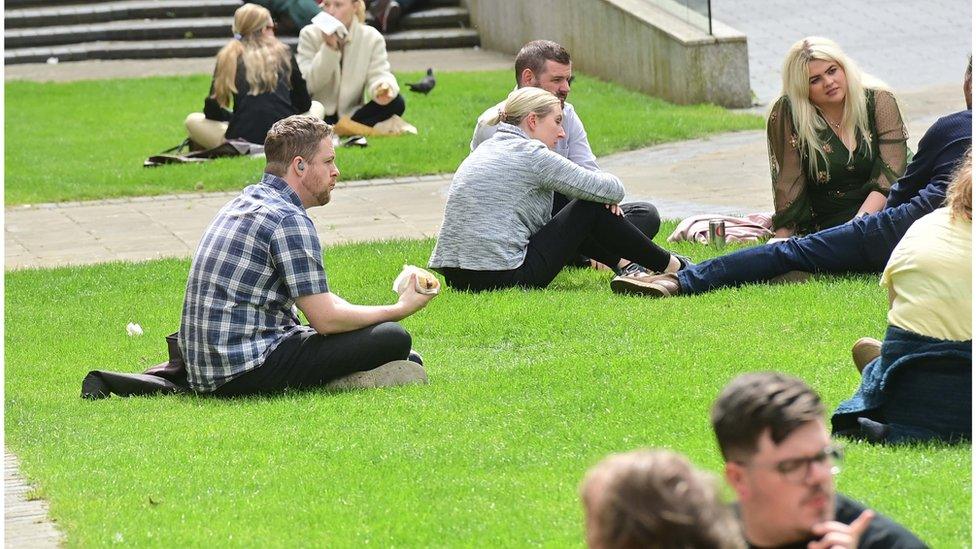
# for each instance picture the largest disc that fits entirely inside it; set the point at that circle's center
(808, 204)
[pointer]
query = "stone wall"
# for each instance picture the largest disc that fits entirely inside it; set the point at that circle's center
(632, 42)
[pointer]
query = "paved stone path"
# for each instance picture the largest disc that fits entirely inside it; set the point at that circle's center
(907, 43)
(25, 520)
(723, 174)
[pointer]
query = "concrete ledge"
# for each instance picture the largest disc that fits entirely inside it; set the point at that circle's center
(633, 42)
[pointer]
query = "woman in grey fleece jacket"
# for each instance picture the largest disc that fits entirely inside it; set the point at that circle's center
(498, 229)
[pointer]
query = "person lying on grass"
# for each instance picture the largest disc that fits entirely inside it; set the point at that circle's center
(781, 463)
(498, 229)
(860, 245)
(547, 65)
(259, 258)
(655, 498)
(918, 385)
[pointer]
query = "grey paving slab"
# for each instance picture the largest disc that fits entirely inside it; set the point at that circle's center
(908, 44)
(24, 518)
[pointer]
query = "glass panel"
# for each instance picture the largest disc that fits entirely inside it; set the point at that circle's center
(694, 12)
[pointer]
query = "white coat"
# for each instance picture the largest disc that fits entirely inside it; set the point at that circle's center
(343, 81)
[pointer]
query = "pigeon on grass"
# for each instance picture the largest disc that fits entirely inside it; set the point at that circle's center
(426, 83)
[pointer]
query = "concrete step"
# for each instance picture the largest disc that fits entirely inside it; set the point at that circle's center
(447, 18)
(440, 17)
(207, 47)
(17, 4)
(37, 30)
(40, 3)
(139, 29)
(139, 49)
(432, 38)
(115, 11)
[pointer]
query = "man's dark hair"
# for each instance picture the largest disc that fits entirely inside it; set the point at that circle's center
(755, 402)
(534, 55)
(297, 135)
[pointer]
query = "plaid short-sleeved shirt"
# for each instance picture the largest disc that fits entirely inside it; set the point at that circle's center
(258, 255)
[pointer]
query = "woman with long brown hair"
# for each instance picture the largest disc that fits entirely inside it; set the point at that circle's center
(257, 75)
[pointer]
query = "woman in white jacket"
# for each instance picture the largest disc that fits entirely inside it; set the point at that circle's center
(351, 76)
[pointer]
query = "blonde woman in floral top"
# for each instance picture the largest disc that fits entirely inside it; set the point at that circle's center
(836, 140)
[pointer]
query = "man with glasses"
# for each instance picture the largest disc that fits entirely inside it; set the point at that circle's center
(781, 462)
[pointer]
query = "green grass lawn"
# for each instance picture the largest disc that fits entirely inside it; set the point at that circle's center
(87, 140)
(527, 390)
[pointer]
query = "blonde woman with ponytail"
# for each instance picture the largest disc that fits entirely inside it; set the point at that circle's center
(256, 82)
(498, 229)
(836, 140)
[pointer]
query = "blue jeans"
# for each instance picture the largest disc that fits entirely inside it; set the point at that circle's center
(861, 246)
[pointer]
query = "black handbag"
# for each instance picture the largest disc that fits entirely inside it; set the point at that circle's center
(227, 149)
(165, 378)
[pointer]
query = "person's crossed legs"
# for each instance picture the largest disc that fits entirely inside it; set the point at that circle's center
(308, 359)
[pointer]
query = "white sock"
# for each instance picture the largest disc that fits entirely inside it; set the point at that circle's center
(673, 265)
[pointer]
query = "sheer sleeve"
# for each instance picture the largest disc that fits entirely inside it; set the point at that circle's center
(891, 155)
(786, 168)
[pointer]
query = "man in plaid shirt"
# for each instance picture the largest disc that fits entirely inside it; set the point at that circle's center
(258, 259)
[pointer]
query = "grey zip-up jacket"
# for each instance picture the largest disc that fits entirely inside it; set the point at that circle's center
(501, 195)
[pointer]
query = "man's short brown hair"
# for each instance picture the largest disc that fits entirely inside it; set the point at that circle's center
(755, 402)
(297, 135)
(655, 498)
(534, 55)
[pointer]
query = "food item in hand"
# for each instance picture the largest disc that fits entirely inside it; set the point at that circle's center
(427, 283)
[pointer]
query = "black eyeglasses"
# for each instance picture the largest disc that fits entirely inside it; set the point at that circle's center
(798, 469)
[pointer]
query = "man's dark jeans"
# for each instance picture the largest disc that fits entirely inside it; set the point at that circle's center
(863, 245)
(307, 359)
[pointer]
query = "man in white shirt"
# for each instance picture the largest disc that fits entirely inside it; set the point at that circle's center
(547, 65)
